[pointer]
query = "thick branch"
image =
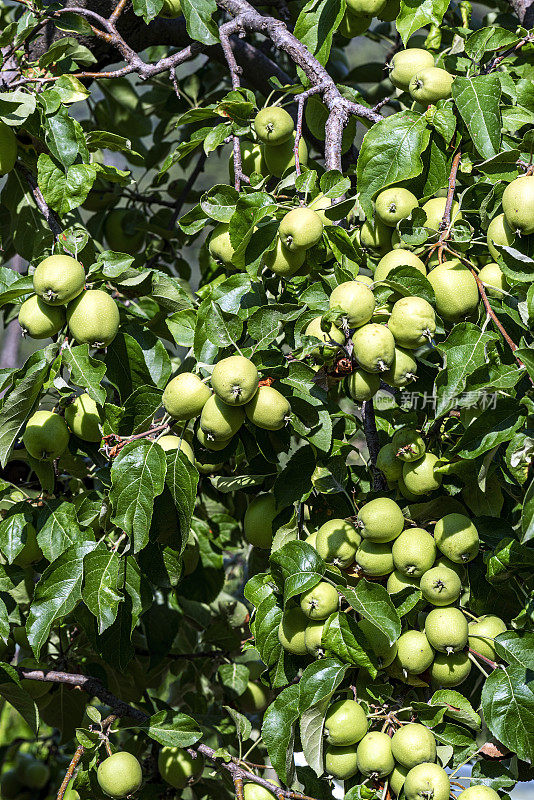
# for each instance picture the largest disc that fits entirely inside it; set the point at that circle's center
(525, 11)
(371, 436)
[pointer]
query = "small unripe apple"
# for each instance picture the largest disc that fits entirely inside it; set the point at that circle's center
(363, 385)
(407, 63)
(518, 204)
(291, 631)
(123, 230)
(220, 246)
(450, 670)
(171, 442)
(446, 629)
(456, 290)
(345, 723)
(427, 780)
(356, 301)
(413, 744)
(178, 768)
(93, 318)
(354, 24)
(330, 338)
(414, 652)
(83, 418)
(220, 421)
(374, 347)
(457, 538)
(120, 775)
(39, 319)
(375, 758)
(492, 277)
(273, 125)
(235, 380)
(268, 409)
(300, 229)
(394, 204)
(258, 520)
(420, 477)
(482, 633)
(185, 396)
(499, 232)
(46, 435)
(58, 279)
(284, 262)
(280, 158)
(397, 258)
(430, 85)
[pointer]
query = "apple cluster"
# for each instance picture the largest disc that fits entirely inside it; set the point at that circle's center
(434, 643)
(60, 299)
(235, 393)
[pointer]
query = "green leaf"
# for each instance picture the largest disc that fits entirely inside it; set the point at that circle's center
(278, 731)
(137, 476)
(527, 514)
(234, 677)
(64, 192)
(391, 152)
(12, 691)
(316, 25)
(343, 639)
(297, 567)
(319, 681)
(372, 601)
(465, 350)
(148, 9)
(312, 735)
(415, 14)
(517, 648)
(294, 481)
(477, 100)
(173, 730)
(242, 724)
(487, 40)
(20, 402)
(219, 202)
(57, 594)
(85, 371)
(14, 530)
(16, 106)
(60, 136)
(497, 424)
(58, 528)
(508, 708)
(181, 479)
(101, 575)
(457, 707)
(198, 19)
(136, 358)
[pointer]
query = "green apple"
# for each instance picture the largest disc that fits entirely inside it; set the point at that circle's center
(518, 205)
(83, 418)
(93, 318)
(430, 85)
(273, 125)
(58, 279)
(407, 63)
(268, 409)
(235, 380)
(446, 629)
(178, 768)
(120, 775)
(123, 229)
(185, 396)
(258, 521)
(40, 320)
(45, 436)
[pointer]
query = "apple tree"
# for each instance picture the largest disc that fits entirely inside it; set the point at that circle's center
(267, 503)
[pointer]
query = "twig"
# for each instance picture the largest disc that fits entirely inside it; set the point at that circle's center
(76, 758)
(94, 688)
(119, 8)
(50, 216)
(235, 71)
(371, 437)
(491, 313)
(301, 101)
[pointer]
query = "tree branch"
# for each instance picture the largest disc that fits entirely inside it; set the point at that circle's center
(373, 445)
(94, 688)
